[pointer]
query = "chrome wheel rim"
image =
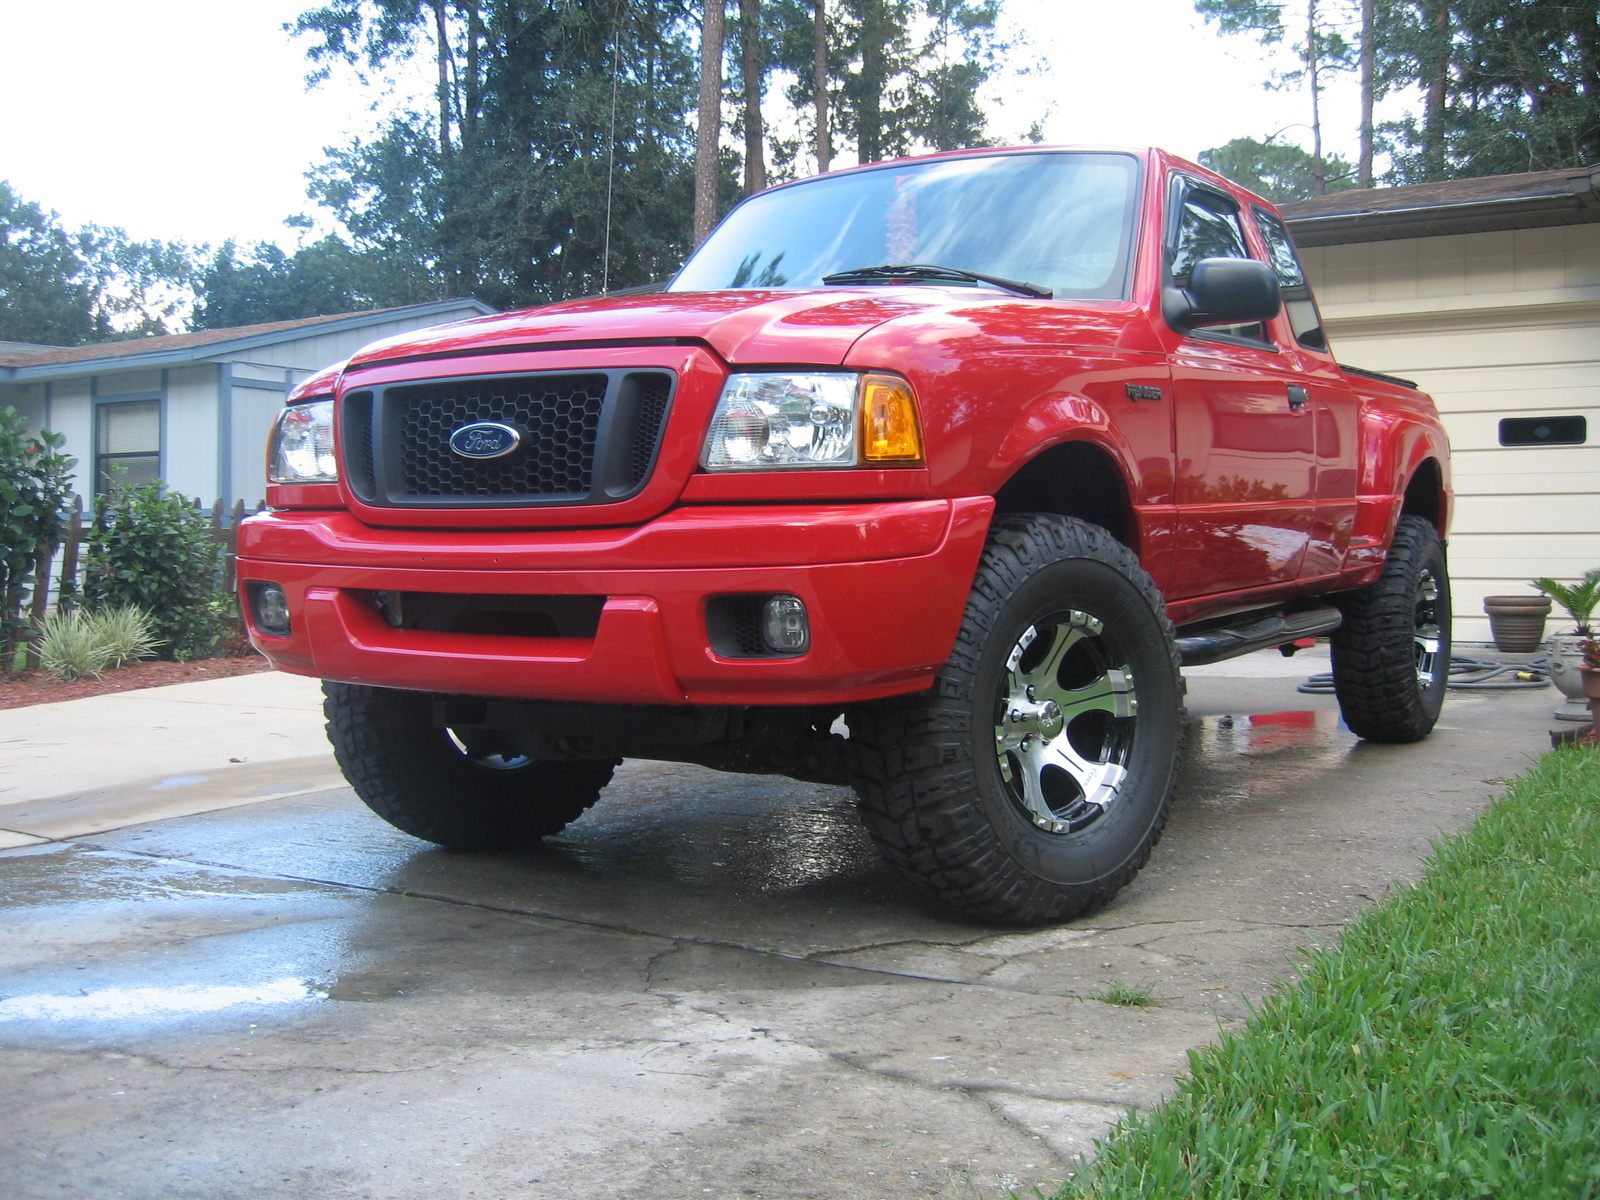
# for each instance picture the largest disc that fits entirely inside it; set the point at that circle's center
(1065, 721)
(1426, 639)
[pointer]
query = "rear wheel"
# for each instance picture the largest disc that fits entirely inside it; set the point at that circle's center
(1391, 657)
(1031, 783)
(432, 784)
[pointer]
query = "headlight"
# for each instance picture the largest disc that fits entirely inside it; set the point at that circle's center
(816, 419)
(301, 449)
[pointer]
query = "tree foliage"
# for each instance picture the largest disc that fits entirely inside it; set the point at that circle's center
(1280, 171)
(63, 287)
(1509, 85)
(555, 157)
(903, 75)
(327, 276)
(1496, 86)
(47, 292)
(536, 171)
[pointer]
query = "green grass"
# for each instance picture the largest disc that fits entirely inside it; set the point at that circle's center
(1449, 1047)
(1124, 995)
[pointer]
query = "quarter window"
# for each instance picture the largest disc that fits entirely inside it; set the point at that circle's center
(129, 436)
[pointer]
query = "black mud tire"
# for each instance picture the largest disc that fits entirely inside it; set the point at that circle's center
(418, 779)
(1390, 684)
(939, 793)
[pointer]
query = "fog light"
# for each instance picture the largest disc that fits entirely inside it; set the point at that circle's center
(270, 606)
(784, 626)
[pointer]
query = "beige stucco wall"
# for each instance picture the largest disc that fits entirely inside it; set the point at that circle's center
(1492, 325)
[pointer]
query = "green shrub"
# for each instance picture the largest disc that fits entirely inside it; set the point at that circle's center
(33, 490)
(75, 643)
(127, 633)
(154, 549)
(204, 628)
(70, 647)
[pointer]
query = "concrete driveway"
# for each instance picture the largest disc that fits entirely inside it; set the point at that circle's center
(708, 987)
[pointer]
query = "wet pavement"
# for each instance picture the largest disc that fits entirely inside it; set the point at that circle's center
(707, 987)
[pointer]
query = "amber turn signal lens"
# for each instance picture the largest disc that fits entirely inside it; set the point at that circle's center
(889, 430)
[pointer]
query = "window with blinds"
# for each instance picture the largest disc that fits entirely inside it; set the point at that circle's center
(129, 437)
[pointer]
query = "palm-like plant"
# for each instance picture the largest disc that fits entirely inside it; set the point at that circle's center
(1579, 599)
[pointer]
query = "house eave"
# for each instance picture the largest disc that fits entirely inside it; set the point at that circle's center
(1576, 203)
(217, 351)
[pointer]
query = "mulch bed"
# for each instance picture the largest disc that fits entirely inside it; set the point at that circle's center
(21, 688)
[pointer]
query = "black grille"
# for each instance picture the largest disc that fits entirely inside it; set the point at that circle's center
(356, 433)
(585, 437)
(557, 415)
(653, 391)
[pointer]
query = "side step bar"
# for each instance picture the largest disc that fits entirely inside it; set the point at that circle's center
(1215, 645)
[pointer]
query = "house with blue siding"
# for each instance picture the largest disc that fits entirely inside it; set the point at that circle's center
(193, 409)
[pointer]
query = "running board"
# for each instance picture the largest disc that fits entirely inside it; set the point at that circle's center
(1215, 645)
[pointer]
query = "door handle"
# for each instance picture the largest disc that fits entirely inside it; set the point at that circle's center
(1298, 396)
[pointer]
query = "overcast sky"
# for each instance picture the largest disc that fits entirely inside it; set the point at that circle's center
(190, 118)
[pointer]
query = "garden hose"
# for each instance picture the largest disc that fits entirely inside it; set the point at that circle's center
(1483, 674)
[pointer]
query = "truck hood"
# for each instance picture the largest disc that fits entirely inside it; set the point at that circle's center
(743, 327)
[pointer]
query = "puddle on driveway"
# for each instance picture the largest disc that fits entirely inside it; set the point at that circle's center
(100, 943)
(114, 1003)
(1245, 764)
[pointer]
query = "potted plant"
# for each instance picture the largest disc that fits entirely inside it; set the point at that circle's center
(1589, 671)
(1566, 650)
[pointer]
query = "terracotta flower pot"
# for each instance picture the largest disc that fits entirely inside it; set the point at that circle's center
(1591, 691)
(1517, 622)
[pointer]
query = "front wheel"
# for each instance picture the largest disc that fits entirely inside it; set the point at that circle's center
(1031, 783)
(430, 783)
(1391, 657)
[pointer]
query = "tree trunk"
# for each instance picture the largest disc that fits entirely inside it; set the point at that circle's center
(819, 74)
(473, 92)
(1369, 56)
(709, 130)
(1438, 78)
(755, 162)
(442, 32)
(869, 109)
(1319, 168)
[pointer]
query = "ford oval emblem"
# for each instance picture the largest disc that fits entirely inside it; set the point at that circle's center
(485, 439)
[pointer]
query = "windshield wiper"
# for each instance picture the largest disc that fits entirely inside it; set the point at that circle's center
(920, 271)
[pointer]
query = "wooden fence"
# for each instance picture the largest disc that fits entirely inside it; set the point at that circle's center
(60, 572)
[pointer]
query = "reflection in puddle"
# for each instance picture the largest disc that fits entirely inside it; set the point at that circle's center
(111, 1003)
(1263, 733)
(1266, 756)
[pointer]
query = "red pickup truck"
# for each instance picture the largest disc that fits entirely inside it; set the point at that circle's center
(926, 477)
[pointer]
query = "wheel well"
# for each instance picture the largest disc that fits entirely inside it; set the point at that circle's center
(1425, 495)
(1074, 479)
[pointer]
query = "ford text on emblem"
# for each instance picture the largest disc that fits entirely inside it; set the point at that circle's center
(485, 439)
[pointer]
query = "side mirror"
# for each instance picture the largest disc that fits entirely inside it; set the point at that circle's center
(1223, 291)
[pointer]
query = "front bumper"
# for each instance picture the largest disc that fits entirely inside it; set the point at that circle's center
(885, 585)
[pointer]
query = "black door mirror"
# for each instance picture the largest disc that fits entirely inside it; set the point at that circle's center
(1223, 291)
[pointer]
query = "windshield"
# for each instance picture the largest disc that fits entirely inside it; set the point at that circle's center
(1062, 220)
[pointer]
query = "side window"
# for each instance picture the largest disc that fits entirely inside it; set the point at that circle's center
(1298, 302)
(1208, 227)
